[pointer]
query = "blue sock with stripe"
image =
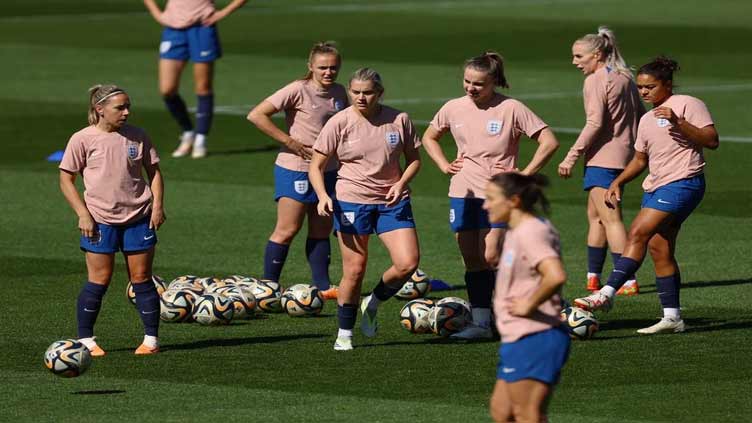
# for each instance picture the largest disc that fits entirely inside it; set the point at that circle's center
(87, 307)
(668, 290)
(204, 113)
(623, 269)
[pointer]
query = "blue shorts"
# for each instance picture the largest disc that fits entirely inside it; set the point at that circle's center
(198, 43)
(365, 219)
(467, 214)
(539, 356)
(295, 185)
(679, 198)
(599, 177)
(128, 238)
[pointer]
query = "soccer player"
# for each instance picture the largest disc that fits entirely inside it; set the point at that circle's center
(372, 196)
(612, 111)
(487, 127)
(527, 300)
(670, 142)
(190, 33)
(308, 104)
(120, 211)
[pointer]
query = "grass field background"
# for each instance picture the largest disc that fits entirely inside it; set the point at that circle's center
(220, 213)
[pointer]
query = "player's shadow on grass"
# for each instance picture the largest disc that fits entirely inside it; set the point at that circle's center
(235, 151)
(235, 342)
(703, 284)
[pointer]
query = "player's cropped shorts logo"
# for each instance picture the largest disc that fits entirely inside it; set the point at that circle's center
(451, 216)
(301, 187)
(348, 218)
(493, 127)
(338, 105)
(662, 123)
(392, 138)
(132, 151)
(164, 46)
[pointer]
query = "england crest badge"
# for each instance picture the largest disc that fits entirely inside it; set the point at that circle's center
(493, 127)
(392, 139)
(301, 187)
(132, 150)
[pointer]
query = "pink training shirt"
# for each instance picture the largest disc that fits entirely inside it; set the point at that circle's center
(368, 151)
(613, 110)
(487, 138)
(307, 108)
(111, 163)
(525, 246)
(180, 14)
(671, 156)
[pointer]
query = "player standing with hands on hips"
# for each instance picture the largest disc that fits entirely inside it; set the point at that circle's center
(372, 196)
(487, 127)
(190, 33)
(613, 110)
(120, 210)
(670, 143)
(308, 104)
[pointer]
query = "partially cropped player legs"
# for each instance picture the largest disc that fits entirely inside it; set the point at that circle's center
(139, 265)
(354, 250)
(99, 268)
(479, 279)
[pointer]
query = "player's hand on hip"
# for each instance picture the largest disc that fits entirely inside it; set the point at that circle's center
(612, 197)
(394, 194)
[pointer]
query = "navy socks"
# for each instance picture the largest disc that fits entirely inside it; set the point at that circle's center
(204, 113)
(383, 292)
(274, 260)
(87, 308)
(596, 256)
(147, 303)
(346, 314)
(178, 110)
(480, 287)
(668, 290)
(624, 269)
(318, 252)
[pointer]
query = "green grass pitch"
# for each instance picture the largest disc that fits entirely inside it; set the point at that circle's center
(220, 213)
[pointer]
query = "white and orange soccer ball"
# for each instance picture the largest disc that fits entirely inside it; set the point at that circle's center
(302, 300)
(213, 310)
(417, 286)
(449, 315)
(414, 316)
(581, 324)
(268, 295)
(67, 358)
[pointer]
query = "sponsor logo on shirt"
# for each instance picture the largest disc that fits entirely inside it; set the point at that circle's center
(348, 218)
(301, 187)
(662, 123)
(493, 127)
(392, 139)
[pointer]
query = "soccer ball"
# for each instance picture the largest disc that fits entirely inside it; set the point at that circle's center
(206, 283)
(159, 283)
(239, 279)
(242, 298)
(302, 300)
(67, 358)
(183, 279)
(268, 294)
(581, 324)
(219, 286)
(449, 316)
(176, 305)
(417, 287)
(213, 309)
(414, 315)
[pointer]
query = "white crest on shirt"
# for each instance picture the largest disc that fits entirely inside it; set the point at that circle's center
(301, 187)
(493, 127)
(662, 123)
(164, 46)
(451, 216)
(392, 138)
(348, 218)
(507, 259)
(132, 150)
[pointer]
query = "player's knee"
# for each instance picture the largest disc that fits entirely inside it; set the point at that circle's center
(407, 266)
(500, 411)
(285, 234)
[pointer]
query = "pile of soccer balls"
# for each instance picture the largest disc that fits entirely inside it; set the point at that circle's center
(422, 315)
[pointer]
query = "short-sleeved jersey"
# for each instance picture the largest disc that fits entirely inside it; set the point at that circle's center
(180, 14)
(368, 151)
(307, 108)
(612, 104)
(112, 165)
(487, 138)
(671, 156)
(525, 246)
